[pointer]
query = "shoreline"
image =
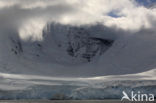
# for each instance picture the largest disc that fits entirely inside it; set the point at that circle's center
(69, 101)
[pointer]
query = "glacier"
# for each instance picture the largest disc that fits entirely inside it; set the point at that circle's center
(14, 86)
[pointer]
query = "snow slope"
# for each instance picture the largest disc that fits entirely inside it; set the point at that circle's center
(83, 51)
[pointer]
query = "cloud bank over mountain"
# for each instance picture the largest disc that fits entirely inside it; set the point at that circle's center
(29, 17)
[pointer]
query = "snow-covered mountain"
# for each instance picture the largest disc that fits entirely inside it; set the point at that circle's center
(75, 62)
(78, 51)
(63, 47)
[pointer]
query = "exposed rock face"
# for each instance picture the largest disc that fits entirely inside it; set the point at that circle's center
(82, 45)
(17, 46)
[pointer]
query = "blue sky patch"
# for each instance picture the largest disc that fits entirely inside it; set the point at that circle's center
(113, 14)
(146, 2)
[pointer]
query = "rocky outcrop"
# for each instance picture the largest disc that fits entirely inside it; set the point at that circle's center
(81, 44)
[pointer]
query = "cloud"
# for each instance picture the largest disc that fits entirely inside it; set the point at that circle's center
(27, 15)
(29, 31)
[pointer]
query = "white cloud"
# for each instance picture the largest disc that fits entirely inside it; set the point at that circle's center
(28, 30)
(36, 13)
(6, 3)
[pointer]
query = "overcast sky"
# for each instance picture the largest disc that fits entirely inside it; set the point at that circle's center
(29, 17)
